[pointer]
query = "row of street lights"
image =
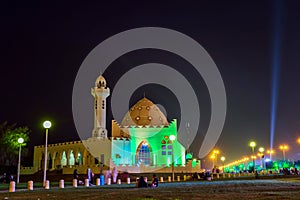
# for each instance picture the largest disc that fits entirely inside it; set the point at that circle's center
(47, 125)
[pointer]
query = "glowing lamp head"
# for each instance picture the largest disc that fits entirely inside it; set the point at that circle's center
(20, 140)
(261, 149)
(172, 137)
(47, 124)
(223, 158)
(252, 144)
(283, 147)
(216, 151)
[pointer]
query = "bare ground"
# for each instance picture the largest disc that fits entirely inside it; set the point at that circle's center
(230, 189)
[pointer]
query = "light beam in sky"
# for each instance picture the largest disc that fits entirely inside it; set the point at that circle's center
(276, 59)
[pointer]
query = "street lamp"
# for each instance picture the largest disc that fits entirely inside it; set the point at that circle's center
(47, 125)
(172, 138)
(223, 159)
(216, 152)
(252, 144)
(20, 141)
(261, 151)
(283, 148)
(270, 152)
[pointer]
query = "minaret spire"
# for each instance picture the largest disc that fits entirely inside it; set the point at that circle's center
(100, 92)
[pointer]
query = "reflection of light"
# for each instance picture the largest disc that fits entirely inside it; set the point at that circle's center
(145, 144)
(78, 154)
(267, 160)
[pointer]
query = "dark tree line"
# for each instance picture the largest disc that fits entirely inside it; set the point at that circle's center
(9, 146)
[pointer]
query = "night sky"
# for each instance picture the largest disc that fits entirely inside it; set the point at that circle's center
(44, 44)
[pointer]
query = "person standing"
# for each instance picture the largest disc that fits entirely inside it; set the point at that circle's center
(115, 175)
(107, 175)
(89, 175)
(155, 181)
(75, 174)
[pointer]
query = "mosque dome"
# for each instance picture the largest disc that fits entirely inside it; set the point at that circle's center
(144, 113)
(100, 82)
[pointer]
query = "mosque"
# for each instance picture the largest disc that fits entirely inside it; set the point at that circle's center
(144, 141)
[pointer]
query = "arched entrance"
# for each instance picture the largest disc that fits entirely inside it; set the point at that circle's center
(144, 154)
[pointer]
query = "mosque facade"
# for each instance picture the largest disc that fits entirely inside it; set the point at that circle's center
(144, 141)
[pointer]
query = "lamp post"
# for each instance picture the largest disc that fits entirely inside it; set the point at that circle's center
(47, 125)
(20, 141)
(283, 148)
(172, 138)
(213, 157)
(223, 159)
(270, 152)
(216, 152)
(252, 144)
(261, 151)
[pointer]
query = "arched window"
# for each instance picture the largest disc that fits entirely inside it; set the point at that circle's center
(144, 153)
(166, 146)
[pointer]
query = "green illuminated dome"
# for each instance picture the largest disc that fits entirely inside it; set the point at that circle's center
(144, 113)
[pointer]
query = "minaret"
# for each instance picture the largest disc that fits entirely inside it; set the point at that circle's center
(100, 92)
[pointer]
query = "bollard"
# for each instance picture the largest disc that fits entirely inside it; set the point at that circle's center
(87, 182)
(178, 178)
(119, 182)
(169, 178)
(74, 182)
(47, 185)
(128, 180)
(239, 175)
(218, 176)
(137, 182)
(98, 181)
(12, 186)
(223, 175)
(109, 181)
(61, 183)
(228, 175)
(30, 185)
(161, 179)
(234, 175)
(184, 177)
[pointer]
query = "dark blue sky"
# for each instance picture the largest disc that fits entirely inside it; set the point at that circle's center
(44, 44)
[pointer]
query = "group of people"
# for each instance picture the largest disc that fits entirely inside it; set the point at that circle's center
(113, 175)
(142, 183)
(6, 178)
(91, 176)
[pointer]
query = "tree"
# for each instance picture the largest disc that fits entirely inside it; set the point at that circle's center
(9, 146)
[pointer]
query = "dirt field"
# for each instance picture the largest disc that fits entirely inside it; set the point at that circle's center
(230, 189)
